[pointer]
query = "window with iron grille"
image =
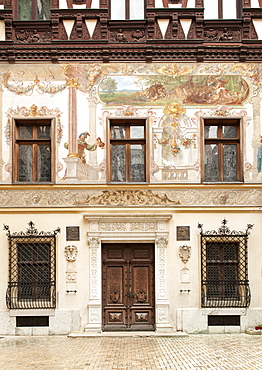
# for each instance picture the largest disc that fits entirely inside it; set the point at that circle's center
(32, 151)
(224, 267)
(32, 269)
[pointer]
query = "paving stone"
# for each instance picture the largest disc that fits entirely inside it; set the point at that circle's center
(194, 352)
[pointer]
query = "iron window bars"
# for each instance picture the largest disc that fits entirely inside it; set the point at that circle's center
(224, 267)
(32, 269)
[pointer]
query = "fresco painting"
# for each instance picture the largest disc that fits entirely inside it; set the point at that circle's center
(174, 136)
(157, 90)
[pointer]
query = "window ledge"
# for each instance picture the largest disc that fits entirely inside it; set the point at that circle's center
(33, 312)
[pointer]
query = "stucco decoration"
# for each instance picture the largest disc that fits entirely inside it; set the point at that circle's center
(71, 276)
(33, 112)
(27, 88)
(121, 198)
(185, 253)
(71, 253)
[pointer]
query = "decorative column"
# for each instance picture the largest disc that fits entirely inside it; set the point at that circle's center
(162, 304)
(94, 322)
(72, 157)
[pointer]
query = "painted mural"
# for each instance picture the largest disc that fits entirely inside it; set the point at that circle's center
(184, 89)
(173, 95)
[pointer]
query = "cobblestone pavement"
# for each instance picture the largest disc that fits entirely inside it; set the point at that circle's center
(200, 352)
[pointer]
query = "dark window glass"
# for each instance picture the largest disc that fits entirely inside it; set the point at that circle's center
(33, 151)
(222, 151)
(33, 10)
(128, 145)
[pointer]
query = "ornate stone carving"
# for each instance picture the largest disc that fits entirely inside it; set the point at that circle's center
(184, 276)
(161, 242)
(71, 276)
(93, 314)
(185, 253)
(71, 253)
(131, 197)
(93, 242)
(161, 198)
(128, 226)
(163, 314)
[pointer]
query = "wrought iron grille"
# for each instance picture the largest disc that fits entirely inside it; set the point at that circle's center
(32, 269)
(224, 267)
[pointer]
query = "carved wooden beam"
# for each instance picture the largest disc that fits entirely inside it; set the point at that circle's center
(199, 3)
(150, 3)
(54, 4)
(104, 4)
(246, 3)
(69, 4)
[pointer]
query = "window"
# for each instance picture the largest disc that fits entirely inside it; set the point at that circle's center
(32, 151)
(224, 268)
(222, 150)
(222, 9)
(127, 151)
(33, 10)
(127, 9)
(32, 272)
(33, 267)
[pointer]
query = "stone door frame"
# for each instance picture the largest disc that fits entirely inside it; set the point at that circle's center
(127, 228)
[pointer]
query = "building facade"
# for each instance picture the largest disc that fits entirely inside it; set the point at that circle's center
(130, 166)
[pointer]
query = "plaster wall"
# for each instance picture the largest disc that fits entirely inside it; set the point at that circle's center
(183, 292)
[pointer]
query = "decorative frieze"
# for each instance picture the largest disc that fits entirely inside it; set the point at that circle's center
(135, 198)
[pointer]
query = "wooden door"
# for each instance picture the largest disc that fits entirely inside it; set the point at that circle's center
(128, 286)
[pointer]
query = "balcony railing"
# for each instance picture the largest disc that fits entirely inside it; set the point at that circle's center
(31, 295)
(220, 294)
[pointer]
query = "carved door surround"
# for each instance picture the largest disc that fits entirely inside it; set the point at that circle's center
(127, 228)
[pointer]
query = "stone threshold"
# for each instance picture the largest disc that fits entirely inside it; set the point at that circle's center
(127, 334)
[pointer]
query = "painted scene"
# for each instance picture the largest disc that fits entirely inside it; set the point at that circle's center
(161, 90)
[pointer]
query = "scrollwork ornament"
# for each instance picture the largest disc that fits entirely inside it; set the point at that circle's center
(71, 253)
(185, 253)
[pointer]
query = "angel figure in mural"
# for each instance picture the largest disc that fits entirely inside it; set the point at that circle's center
(83, 144)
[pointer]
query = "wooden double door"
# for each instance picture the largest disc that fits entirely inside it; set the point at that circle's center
(128, 286)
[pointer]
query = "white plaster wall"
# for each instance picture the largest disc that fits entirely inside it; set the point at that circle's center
(184, 308)
(229, 9)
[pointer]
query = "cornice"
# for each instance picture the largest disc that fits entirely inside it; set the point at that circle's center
(182, 51)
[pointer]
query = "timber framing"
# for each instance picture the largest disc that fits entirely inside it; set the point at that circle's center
(130, 40)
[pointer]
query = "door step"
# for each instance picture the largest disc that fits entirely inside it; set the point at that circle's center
(128, 334)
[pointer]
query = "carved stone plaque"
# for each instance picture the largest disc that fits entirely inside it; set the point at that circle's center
(72, 233)
(183, 233)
